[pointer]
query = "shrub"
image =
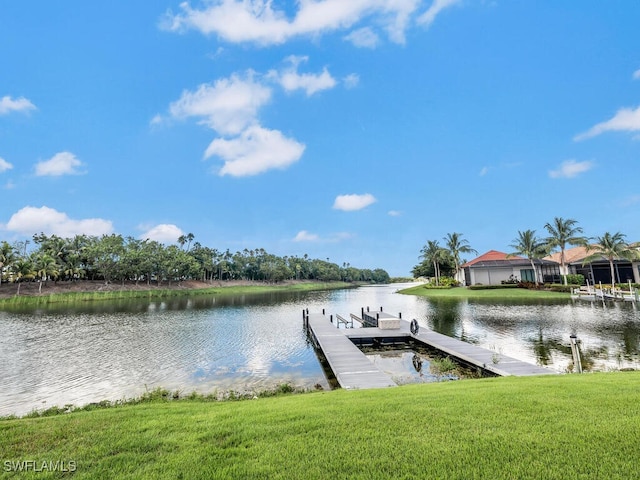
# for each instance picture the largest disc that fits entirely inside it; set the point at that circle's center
(556, 287)
(575, 279)
(433, 286)
(479, 286)
(448, 282)
(513, 280)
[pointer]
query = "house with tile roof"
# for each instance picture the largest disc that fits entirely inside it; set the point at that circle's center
(494, 268)
(598, 270)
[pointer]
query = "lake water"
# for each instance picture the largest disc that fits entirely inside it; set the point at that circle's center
(255, 342)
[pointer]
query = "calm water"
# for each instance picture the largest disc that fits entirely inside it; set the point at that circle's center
(249, 343)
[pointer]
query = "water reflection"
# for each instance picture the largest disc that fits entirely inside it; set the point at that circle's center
(110, 350)
(407, 366)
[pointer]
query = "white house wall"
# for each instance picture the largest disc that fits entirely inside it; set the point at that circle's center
(493, 275)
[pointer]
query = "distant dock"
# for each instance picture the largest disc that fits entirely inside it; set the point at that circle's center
(353, 370)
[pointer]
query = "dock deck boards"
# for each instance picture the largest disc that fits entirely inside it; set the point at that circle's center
(499, 364)
(351, 367)
(353, 370)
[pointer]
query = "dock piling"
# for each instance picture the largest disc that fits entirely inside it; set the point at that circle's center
(575, 351)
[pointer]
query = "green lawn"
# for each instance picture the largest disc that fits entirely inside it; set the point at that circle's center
(549, 427)
(497, 293)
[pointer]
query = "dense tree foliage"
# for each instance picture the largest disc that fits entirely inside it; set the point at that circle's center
(114, 258)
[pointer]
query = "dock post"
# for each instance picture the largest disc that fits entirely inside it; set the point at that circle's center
(575, 351)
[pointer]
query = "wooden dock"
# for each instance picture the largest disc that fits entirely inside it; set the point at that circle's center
(470, 354)
(353, 370)
(351, 367)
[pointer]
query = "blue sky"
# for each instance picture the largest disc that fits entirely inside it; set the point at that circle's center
(350, 130)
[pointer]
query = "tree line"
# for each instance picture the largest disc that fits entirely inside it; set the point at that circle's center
(114, 258)
(438, 261)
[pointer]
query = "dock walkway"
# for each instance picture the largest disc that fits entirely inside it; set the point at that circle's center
(351, 367)
(353, 370)
(489, 360)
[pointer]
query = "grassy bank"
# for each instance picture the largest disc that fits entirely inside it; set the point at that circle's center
(551, 427)
(158, 293)
(498, 293)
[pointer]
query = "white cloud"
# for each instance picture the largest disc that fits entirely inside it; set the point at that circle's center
(394, 213)
(255, 151)
(428, 17)
(364, 38)
(351, 81)
(625, 120)
(228, 106)
(484, 171)
(636, 75)
(4, 165)
(163, 233)
(311, 83)
(32, 220)
(63, 163)
(571, 168)
(8, 105)
(304, 236)
(258, 22)
(157, 120)
(353, 202)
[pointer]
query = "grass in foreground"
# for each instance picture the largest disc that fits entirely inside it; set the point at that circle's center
(498, 293)
(550, 427)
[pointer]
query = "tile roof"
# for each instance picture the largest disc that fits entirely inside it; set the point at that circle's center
(492, 256)
(571, 255)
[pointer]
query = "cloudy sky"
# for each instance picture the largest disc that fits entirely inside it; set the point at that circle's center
(350, 130)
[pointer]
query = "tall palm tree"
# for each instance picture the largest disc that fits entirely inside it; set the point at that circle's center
(189, 238)
(457, 245)
(433, 253)
(528, 245)
(612, 247)
(563, 232)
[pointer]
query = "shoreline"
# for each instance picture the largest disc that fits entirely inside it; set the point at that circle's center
(90, 290)
(494, 293)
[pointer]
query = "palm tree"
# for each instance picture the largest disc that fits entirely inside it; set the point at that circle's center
(189, 238)
(7, 257)
(528, 245)
(457, 245)
(23, 270)
(433, 253)
(562, 233)
(612, 247)
(45, 266)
